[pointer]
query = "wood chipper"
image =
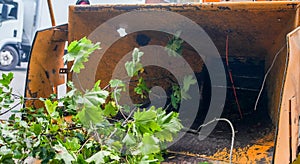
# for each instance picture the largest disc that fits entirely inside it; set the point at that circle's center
(257, 44)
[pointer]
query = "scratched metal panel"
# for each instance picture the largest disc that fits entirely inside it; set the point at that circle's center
(44, 65)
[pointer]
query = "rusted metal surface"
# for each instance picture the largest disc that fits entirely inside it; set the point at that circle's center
(45, 63)
(288, 126)
(249, 24)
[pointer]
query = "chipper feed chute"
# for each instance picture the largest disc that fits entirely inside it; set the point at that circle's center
(257, 49)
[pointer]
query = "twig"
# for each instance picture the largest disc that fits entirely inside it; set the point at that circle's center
(83, 145)
(112, 133)
(31, 98)
(16, 96)
(106, 87)
(79, 82)
(266, 75)
(10, 109)
(130, 114)
(116, 100)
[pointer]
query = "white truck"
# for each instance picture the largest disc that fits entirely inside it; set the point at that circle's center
(20, 19)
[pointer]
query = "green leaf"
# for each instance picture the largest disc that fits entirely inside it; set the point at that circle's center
(116, 83)
(98, 158)
(187, 82)
(129, 139)
(174, 46)
(7, 159)
(164, 135)
(145, 115)
(134, 66)
(146, 160)
(146, 121)
(149, 145)
(63, 154)
(51, 107)
(36, 128)
(4, 150)
(89, 116)
(95, 98)
(81, 160)
(97, 86)
(6, 79)
(79, 52)
(130, 68)
(110, 109)
(72, 145)
(53, 128)
(170, 125)
(176, 96)
(141, 88)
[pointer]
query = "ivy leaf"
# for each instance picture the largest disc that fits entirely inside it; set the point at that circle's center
(134, 66)
(149, 144)
(6, 79)
(110, 109)
(99, 157)
(63, 153)
(79, 52)
(89, 116)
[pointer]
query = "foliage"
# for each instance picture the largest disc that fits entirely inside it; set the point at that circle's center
(79, 51)
(141, 88)
(179, 94)
(174, 46)
(133, 67)
(99, 131)
(6, 97)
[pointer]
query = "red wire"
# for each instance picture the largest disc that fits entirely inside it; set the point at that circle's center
(231, 79)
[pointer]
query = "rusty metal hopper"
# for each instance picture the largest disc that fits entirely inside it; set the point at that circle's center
(261, 45)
